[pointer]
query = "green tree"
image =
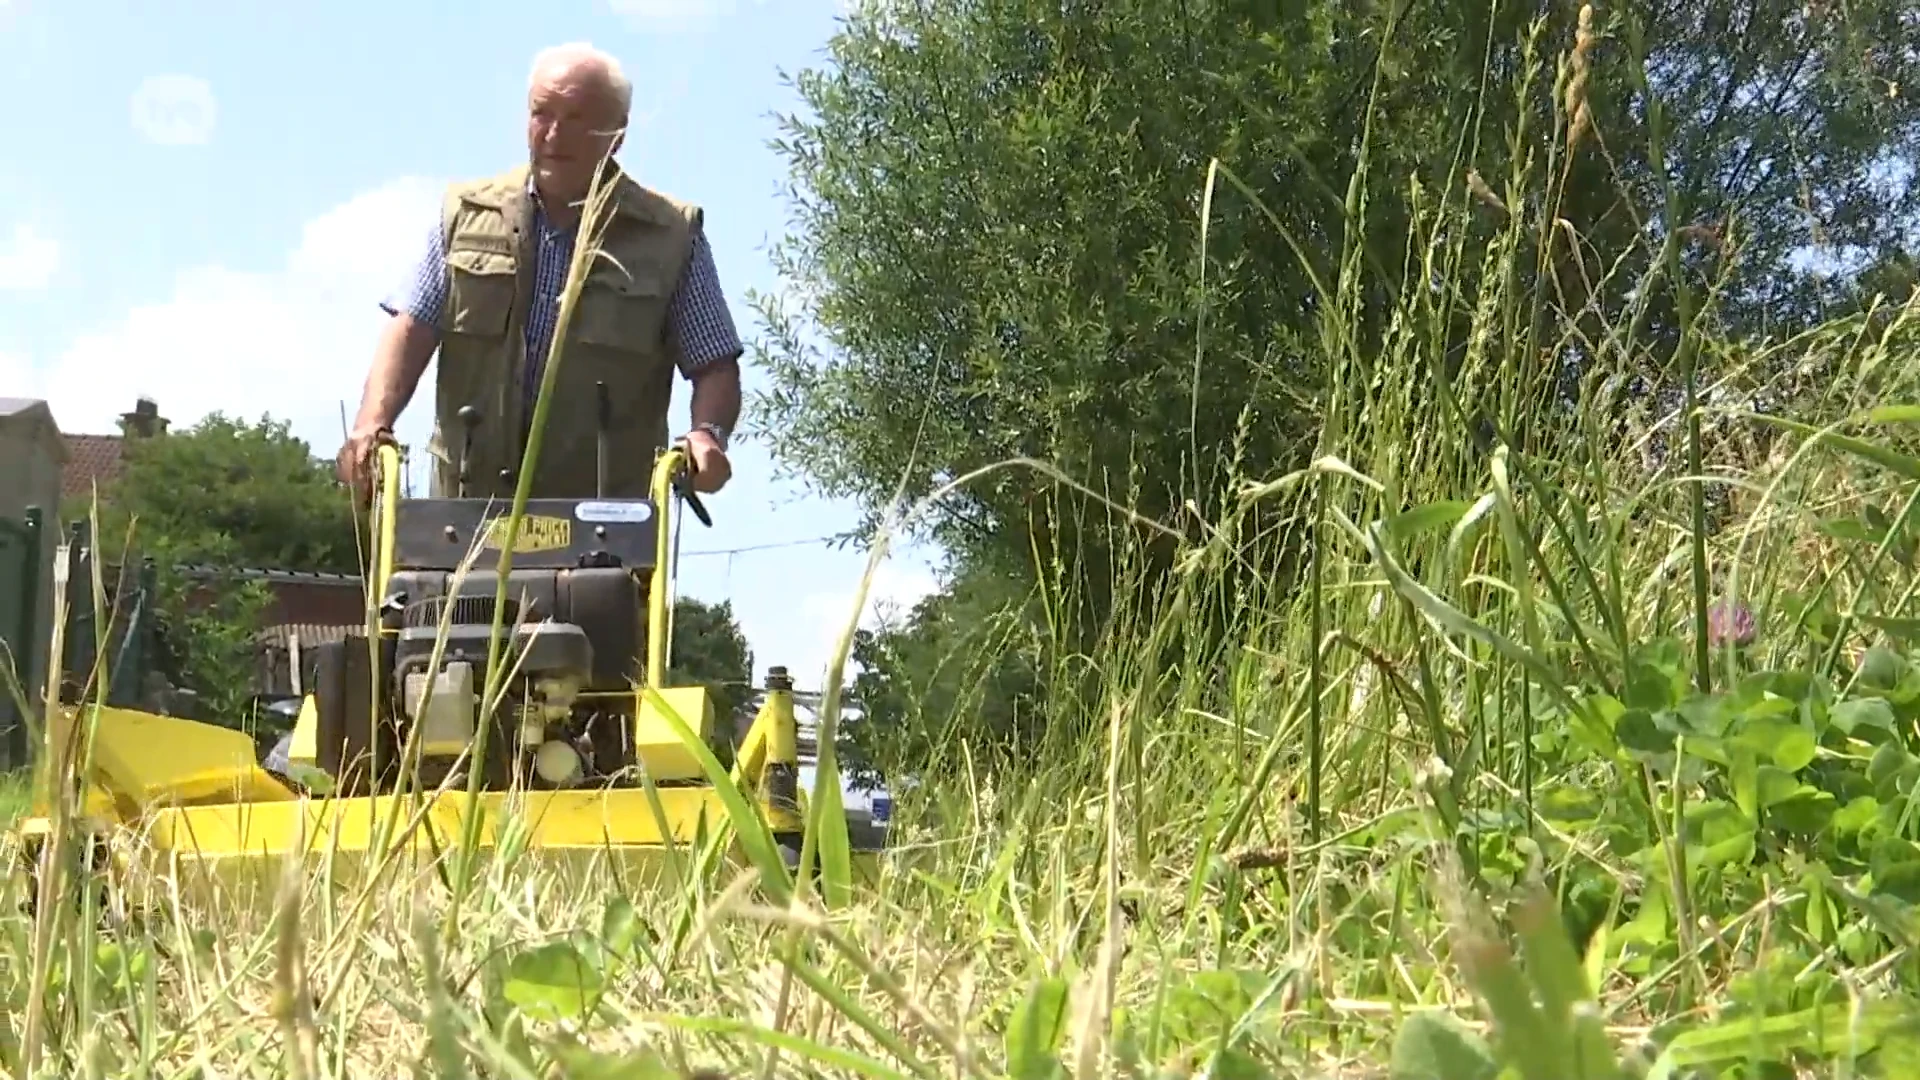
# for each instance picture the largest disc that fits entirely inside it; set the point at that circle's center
(1000, 248)
(965, 654)
(709, 648)
(222, 493)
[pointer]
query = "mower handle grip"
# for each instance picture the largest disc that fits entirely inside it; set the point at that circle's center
(678, 466)
(386, 476)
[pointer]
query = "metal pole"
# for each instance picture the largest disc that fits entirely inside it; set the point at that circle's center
(27, 644)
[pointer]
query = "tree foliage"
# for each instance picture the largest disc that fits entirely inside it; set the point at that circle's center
(709, 648)
(223, 494)
(1005, 243)
(961, 654)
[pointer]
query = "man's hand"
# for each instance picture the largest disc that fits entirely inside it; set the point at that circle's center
(711, 469)
(354, 464)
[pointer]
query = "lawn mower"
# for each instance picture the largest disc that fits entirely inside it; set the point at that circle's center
(538, 711)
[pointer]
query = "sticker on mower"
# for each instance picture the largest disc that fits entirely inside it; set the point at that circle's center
(537, 534)
(628, 512)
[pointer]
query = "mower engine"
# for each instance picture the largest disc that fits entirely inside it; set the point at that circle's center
(564, 718)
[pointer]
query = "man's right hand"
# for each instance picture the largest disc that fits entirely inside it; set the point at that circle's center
(355, 461)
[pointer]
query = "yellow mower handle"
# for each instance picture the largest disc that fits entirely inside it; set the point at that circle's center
(385, 514)
(668, 469)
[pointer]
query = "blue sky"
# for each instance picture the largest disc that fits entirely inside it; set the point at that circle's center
(204, 199)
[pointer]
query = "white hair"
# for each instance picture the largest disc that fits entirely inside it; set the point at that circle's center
(580, 53)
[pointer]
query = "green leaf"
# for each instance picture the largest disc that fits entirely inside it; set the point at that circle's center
(1569, 804)
(1882, 669)
(1789, 745)
(1884, 770)
(552, 982)
(1899, 880)
(1905, 630)
(121, 967)
(1857, 816)
(1650, 686)
(1637, 731)
(620, 926)
(1773, 784)
(1808, 812)
(1433, 515)
(1035, 1030)
(1856, 713)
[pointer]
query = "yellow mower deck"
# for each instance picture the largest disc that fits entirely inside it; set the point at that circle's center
(161, 794)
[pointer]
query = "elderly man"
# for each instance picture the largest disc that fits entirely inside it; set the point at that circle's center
(486, 294)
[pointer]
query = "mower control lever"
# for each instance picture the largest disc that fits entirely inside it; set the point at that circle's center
(693, 503)
(469, 419)
(603, 420)
(683, 483)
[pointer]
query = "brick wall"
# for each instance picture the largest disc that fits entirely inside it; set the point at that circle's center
(323, 602)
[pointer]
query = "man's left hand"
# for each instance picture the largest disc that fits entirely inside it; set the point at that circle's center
(711, 469)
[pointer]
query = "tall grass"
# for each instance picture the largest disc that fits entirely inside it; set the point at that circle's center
(1488, 790)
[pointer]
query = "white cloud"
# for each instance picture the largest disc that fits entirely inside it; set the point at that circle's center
(293, 343)
(174, 110)
(28, 259)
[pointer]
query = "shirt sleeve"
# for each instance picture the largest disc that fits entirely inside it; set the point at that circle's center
(423, 292)
(699, 322)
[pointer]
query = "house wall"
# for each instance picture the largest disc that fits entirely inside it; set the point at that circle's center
(322, 603)
(30, 467)
(314, 610)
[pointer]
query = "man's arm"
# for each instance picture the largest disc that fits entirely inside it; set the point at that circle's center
(716, 394)
(709, 354)
(407, 342)
(400, 358)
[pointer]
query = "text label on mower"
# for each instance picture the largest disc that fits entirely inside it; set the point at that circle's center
(536, 534)
(632, 512)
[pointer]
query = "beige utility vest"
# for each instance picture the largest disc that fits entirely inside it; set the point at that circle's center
(618, 336)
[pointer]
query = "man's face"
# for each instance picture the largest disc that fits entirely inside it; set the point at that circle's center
(573, 121)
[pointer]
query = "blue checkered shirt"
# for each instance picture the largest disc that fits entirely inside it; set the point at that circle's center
(700, 327)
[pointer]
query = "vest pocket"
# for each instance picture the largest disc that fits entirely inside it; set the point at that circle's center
(622, 313)
(480, 292)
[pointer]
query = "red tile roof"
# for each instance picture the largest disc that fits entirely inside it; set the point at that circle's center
(90, 459)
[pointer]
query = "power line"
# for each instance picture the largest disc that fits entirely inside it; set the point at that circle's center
(759, 547)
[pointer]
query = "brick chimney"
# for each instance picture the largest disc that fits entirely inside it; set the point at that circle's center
(144, 422)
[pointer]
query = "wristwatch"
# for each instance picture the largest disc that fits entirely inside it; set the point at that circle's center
(719, 433)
